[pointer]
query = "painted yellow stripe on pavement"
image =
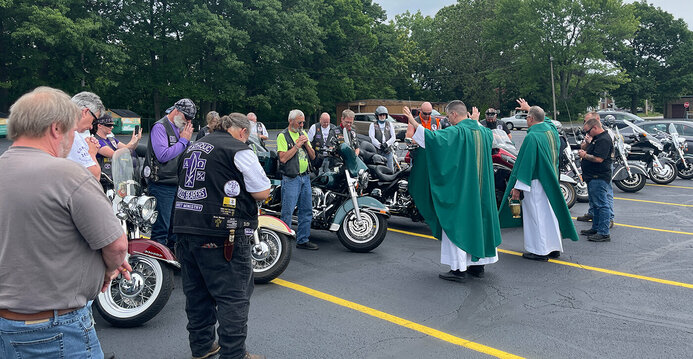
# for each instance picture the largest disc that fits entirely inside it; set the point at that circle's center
(397, 320)
(670, 186)
(650, 228)
(655, 202)
(576, 265)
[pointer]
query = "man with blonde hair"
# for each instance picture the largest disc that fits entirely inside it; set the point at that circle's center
(74, 245)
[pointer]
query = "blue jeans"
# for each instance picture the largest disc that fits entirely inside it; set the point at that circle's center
(165, 196)
(296, 191)
(390, 160)
(70, 335)
(601, 196)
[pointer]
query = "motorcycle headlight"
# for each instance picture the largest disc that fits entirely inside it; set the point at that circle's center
(153, 218)
(130, 203)
(363, 179)
(146, 206)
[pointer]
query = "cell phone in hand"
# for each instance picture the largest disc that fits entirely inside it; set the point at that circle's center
(137, 129)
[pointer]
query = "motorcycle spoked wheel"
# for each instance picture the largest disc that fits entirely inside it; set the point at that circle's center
(632, 184)
(581, 192)
(132, 303)
(568, 191)
(364, 235)
(667, 178)
(270, 264)
(682, 171)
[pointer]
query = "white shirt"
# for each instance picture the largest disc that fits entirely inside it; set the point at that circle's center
(254, 126)
(377, 141)
(312, 129)
(80, 152)
(253, 175)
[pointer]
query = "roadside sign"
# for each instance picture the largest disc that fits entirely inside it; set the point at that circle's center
(685, 104)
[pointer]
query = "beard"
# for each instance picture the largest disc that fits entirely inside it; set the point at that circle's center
(179, 121)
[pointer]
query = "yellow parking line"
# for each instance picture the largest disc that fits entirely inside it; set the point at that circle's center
(666, 185)
(649, 228)
(396, 320)
(576, 265)
(655, 202)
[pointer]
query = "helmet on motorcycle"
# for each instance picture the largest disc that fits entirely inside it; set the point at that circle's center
(609, 120)
(381, 110)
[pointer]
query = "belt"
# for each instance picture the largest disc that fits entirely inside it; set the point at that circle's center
(46, 314)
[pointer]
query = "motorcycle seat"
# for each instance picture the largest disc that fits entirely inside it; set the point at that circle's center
(383, 173)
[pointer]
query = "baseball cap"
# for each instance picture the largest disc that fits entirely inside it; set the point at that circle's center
(186, 106)
(105, 119)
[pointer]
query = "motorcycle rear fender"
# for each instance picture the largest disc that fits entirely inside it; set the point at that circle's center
(365, 202)
(275, 224)
(568, 179)
(620, 172)
(152, 249)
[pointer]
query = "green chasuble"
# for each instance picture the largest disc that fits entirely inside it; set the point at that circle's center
(538, 159)
(451, 183)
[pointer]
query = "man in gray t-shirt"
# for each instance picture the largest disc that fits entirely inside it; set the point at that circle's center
(59, 239)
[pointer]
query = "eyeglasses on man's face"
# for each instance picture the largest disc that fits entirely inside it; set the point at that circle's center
(426, 113)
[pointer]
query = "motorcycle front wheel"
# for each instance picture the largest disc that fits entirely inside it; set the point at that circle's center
(271, 257)
(130, 303)
(685, 173)
(364, 235)
(581, 192)
(568, 191)
(632, 184)
(667, 176)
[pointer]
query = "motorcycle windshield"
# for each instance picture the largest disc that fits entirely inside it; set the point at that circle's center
(638, 130)
(674, 134)
(352, 162)
(619, 141)
(256, 145)
(502, 141)
(121, 167)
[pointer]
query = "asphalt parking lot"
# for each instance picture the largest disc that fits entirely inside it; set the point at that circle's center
(630, 298)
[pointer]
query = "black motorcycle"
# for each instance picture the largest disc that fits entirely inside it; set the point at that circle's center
(387, 186)
(649, 150)
(674, 148)
(627, 176)
(567, 165)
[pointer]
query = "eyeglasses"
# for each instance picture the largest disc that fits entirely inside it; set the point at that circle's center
(426, 113)
(108, 124)
(300, 123)
(92, 114)
(490, 113)
(382, 115)
(588, 131)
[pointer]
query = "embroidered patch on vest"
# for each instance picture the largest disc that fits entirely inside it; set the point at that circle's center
(232, 188)
(194, 195)
(189, 206)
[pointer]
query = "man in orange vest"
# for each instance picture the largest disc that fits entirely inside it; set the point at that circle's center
(427, 120)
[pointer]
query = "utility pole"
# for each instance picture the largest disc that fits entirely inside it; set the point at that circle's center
(553, 88)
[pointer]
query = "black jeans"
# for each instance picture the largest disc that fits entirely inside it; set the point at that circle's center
(216, 290)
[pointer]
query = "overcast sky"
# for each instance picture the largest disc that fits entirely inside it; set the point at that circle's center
(679, 8)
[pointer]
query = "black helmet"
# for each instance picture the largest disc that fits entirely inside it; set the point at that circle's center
(381, 110)
(609, 120)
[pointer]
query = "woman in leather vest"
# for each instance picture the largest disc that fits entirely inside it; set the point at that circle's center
(103, 131)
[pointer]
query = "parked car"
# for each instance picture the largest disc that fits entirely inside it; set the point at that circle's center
(684, 129)
(620, 116)
(519, 121)
(362, 122)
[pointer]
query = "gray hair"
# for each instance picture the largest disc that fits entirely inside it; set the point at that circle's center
(348, 114)
(251, 115)
(537, 113)
(457, 107)
(211, 117)
(89, 100)
(294, 114)
(33, 113)
(235, 119)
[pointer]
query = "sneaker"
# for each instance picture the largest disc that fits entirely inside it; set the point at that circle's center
(585, 218)
(308, 245)
(453, 275)
(212, 351)
(554, 254)
(588, 232)
(599, 238)
(535, 257)
(476, 271)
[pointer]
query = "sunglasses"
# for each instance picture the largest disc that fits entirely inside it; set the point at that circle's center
(426, 113)
(92, 114)
(108, 125)
(490, 113)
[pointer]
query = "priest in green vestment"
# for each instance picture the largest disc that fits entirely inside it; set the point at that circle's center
(545, 216)
(451, 183)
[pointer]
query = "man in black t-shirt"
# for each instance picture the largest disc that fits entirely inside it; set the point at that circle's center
(493, 123)
(595, 153)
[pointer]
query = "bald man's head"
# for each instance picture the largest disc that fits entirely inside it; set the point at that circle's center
(325, 119)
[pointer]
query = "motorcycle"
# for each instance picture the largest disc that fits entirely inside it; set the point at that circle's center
(627, 176)
(339, 204)
(568, 167)
(391, 188)
(504, 154)
(129, 303)
(647, 150)
(674, 148)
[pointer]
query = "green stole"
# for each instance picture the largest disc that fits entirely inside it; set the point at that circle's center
(538, 159)
(451, 183)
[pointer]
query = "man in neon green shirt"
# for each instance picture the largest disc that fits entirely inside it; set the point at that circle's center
(294, 152)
